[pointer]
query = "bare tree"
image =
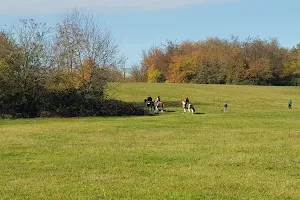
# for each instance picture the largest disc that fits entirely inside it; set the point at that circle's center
(79, 36)
(136, 73)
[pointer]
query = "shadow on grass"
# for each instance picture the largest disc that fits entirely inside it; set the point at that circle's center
(170, 111)
(199, 113)
(172, 103)
(177, 104)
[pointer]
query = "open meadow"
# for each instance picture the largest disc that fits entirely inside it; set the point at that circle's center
(250, 152)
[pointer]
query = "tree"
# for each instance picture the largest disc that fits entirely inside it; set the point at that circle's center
(155, 76)
(270, 52)
(93, 78)
(183, 68)
(79, 36)
(136, 74)
(64, 75)
(291, 72)
(259, 71)
(155, 59)
(80, 40)
(25, 71)
(218, 61)
(8, 61)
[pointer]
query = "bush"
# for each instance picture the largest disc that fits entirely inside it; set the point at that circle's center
(295, 82)
(7, 116)
(73, 103)
(68, 103)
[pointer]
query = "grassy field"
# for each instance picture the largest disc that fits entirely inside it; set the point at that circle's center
(251, 152)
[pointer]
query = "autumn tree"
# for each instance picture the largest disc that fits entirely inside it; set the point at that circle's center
(219, 61)
(63, 73)
(155, 76)
(93, 78)
(136, 74)
(259, 71)
(26, 69)
(8, 63)
(291, 72)
(155, 61)
(183, 68)
(79, 38)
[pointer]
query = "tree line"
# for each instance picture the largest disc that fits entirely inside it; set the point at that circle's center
(61, 70)
(253, 61)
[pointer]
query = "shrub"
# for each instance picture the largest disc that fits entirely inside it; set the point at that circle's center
(67, 103)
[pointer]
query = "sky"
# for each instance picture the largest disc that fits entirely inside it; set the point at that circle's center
(138, 25)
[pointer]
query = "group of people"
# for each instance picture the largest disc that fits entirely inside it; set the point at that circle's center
(156, 102)
(187, 102)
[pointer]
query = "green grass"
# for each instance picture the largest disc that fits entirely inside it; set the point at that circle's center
(251, 152)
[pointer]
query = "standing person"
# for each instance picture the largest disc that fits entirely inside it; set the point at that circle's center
(225, 107)
(290, 104)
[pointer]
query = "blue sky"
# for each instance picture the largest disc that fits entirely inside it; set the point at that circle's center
(140, 24)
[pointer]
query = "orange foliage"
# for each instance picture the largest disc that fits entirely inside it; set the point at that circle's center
(184, 67)
(85, 71)
(218, 61)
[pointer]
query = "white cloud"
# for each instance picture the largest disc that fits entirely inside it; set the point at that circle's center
(101, 6)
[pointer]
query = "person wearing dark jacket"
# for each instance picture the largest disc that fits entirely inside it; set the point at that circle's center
(149, 98)
(187, 101)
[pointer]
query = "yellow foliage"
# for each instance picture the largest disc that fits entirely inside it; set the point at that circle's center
(183, 66)
(155, 76)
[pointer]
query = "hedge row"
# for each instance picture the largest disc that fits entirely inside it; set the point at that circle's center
(71, 103)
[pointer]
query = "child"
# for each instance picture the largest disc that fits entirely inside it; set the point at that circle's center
(290, 104)
(225, 107)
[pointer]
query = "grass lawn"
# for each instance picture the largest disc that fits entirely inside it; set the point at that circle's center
(251, 152)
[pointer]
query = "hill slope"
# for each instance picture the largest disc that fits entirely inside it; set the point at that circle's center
(251, 152)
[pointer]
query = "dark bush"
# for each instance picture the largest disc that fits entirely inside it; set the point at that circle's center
(74, 103)
(69, 103)
(19, 105)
